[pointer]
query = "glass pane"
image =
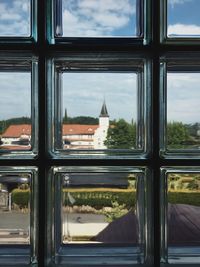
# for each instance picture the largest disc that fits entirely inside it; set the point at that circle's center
(99, 110)
(183, 109)
(15, 18)
(100, 18)
(183, 18)
(14, 208)
(15, 110)
(184, 209)
(102, 208)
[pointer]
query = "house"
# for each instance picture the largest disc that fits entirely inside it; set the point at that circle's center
(74, 136)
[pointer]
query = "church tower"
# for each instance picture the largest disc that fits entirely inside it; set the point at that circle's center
(104, 117)
(101, 132)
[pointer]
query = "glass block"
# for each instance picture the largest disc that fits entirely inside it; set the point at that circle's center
(15, 209)
(18, 105)
(180, 124)
(15, 18)
(99, 208)
(18, 220)
(182, 216)
(183, 19)
(104, 18)
(99, 109)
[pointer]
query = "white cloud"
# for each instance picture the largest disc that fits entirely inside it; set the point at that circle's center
(175, 2)
(15, 18)
(98, 18)
(183, 29)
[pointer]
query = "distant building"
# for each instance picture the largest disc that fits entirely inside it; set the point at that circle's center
(17, 136)
(74, 136)
(79, 136)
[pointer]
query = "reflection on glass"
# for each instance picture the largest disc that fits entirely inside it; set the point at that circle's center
(15, 17)
(183, 18)
(100, 18)
(14, 208)
(183, 109)
(184, 209)
(102, 208)
(99, 110)
(15, 111)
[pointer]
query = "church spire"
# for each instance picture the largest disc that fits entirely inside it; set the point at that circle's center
(104, 112)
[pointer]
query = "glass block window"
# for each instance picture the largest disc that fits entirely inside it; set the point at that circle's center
(18, 105)
(181, 234)
(179, 21)
(99, 19)
(97, 207)
(18, 220)
(92, 114)
(180, 110)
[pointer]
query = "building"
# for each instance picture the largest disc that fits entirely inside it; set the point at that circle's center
(75, 136)
(79, 136)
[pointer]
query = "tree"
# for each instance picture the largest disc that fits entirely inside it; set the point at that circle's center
(121, 135)
(177, 134)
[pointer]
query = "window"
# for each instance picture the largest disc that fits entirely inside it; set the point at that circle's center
(105, 167)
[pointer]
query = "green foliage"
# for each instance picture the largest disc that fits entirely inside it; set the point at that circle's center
(101, 198)
(21, 197)
(189, 198)
(121, 135)
(177, 134)
(4, 124)
(80, 120)
(116, 212)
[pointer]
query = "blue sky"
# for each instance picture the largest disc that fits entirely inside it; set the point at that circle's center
(183, 18)
(99, 18)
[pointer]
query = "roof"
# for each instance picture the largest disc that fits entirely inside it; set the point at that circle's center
(104, 112)
(68, 129)
(72, 129)
(17, 130)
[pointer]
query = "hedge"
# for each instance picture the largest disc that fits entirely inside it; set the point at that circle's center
(101, 197)
(21, 197)
(187, 197)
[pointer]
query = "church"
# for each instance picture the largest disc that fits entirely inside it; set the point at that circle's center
(74, 136)
(83, 136)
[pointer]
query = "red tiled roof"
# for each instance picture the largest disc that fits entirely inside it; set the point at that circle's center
(68, 129)
(17, 130)
(71, 129)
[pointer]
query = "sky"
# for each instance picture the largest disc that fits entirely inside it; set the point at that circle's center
(183, 18)
(84, 93)
(183, 97)
(15, 100)
(15, 18)
(95, 18)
